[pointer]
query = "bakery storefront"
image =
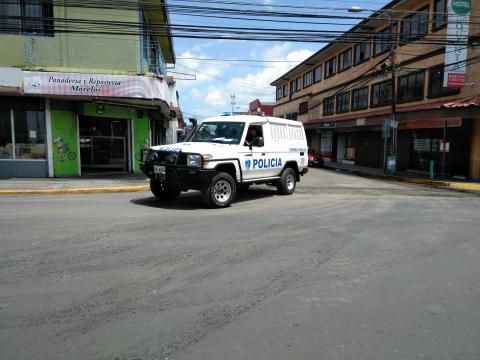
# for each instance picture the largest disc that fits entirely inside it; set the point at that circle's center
(66, 124)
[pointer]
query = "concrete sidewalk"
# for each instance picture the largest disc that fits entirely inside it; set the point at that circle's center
(101, 183)
(405, 177)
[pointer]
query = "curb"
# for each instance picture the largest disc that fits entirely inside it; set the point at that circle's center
(458, 186)
(112, 189)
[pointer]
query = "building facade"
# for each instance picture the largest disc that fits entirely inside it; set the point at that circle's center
(260, 108)
(391, 66)
(82, 89)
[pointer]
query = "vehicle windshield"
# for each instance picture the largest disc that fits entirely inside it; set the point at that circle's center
(225, 132)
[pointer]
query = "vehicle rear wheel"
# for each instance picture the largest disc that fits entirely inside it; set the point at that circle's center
(220, 192)
(162, 191)
(287, 183)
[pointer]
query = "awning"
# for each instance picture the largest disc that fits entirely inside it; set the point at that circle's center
(472, 101)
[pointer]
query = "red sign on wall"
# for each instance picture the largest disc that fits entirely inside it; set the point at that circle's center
(456, 79)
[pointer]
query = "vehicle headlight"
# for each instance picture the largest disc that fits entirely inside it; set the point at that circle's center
(194, 160)
(171, 158)
(152, 156)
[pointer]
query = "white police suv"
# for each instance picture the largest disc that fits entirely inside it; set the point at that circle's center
(227, 154)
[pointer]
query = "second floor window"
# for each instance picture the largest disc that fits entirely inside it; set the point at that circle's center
(285, 90)
(329, 105)
(303, 107)
(360, 98)
(435, 83)
(295, 85)
(330, 67)
(317, 73)
(28, 17)
(279, 93)
(381, 93)
(345, 60)
(411, 87)
(362, 52)
(384, 40)
(439, 13)
(307, 79)
(415, 25)
(343, 103)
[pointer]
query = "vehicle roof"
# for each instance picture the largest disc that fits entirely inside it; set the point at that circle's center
(253, 119)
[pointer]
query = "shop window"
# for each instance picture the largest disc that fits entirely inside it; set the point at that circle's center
(6, 144)
(32, 17)
(343, 103)
(362, 52)
(435, 83)
(360, 98)
(317, 74)
(384, 40)
(381, 93)
(439, 13)
(415, 26)
(345, 60)
(330, 67)
(307, 79)
(27, 140)
(411, 87)
(329, 105)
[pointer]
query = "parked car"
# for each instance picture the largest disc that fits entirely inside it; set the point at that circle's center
(229, 153)
(314, 159)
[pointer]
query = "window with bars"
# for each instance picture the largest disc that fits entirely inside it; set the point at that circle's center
(360, 99)
(303, 107)
(317, 74)
(343, 103)
(381, 94)
(28, 17)
(345, 60)
(329, 105)
(411, 87)
(415, 26)
(435, 83)
(384, 40)
(362, 52)
(439, 13)
(330, 67)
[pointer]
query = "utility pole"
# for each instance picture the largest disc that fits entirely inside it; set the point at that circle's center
(233, 101)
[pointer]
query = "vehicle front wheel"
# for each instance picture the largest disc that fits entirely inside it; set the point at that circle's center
(220, 192)
(162, 191)
(287, 183)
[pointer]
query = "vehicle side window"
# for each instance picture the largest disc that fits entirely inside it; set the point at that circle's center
(254, 136)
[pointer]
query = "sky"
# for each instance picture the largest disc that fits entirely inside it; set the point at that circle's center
(215, 81)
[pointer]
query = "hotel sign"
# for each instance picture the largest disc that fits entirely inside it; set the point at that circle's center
(456, 50)
(95, 85)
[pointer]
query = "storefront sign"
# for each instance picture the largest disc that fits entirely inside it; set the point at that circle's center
(326, 125)
(96, 85)
(456, 49)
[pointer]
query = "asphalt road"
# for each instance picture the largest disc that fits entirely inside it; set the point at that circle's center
(346, 268)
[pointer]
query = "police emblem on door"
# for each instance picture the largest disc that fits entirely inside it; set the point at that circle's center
(248, 164)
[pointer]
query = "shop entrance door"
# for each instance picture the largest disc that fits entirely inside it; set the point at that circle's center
(104, 143)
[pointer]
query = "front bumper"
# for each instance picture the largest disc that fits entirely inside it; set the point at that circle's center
(183, 177)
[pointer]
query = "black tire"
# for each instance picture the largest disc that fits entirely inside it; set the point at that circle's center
(163, 192)
(220, 192)
(287, 183)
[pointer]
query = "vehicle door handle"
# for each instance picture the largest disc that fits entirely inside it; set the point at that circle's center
(248, 155)
(263, 154)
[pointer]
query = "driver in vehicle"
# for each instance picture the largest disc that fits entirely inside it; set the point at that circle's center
(252, 137)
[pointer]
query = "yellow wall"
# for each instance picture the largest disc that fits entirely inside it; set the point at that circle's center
(76, 52)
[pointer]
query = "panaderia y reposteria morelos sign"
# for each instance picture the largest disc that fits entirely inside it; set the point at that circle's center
(101, 85)
(456, 49)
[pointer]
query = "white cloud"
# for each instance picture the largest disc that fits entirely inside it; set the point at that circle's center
(215, 98)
